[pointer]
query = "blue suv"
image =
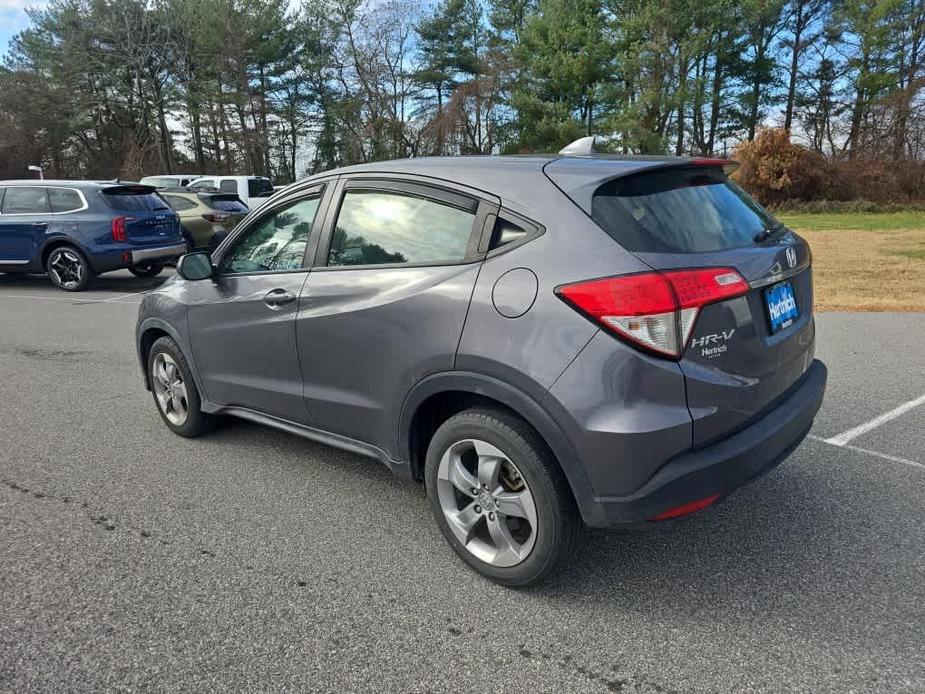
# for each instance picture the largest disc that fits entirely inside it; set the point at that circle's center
(75, 230)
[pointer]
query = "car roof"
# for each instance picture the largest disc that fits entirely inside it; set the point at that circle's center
(55, 182)
(67, 183)
(234, 178)
(514, 176)
(173, 177)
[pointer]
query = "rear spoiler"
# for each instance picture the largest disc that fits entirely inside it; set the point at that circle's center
(580, 175)
(217, 194)
(129, 189)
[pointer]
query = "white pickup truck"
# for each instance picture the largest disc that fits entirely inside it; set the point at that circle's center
(252, 190)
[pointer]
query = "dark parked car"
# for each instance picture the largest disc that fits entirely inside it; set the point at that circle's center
(542, 341)
(75, 230)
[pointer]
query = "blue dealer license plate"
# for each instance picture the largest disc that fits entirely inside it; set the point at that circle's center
(782, 306)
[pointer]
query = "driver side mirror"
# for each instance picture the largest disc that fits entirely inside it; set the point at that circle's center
(195, 266)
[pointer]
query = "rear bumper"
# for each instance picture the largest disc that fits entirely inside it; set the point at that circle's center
(721, 467)
(147, 255)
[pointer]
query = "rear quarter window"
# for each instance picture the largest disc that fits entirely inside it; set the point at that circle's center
(64, 199)
(687, 210)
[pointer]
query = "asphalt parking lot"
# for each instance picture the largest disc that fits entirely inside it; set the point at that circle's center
(250, 559)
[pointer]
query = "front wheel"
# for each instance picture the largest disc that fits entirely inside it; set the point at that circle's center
(69, 269)
(175, 393)
(146, 269)
(499, 497)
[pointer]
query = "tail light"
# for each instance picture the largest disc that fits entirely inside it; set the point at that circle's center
(118, 229)
(217, 217)
(653, 310)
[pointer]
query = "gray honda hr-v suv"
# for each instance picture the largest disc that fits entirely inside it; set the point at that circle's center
(545, 342)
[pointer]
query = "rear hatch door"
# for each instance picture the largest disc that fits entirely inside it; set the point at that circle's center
(742, 354)
(149, 220)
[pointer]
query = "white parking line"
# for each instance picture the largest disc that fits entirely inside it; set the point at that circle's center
(38, 297)
(878, 454)
(846, 436)
(116, 299)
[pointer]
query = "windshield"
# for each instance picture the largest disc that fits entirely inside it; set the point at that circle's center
(688, 210)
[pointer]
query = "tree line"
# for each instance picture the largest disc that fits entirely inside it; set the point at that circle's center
(104, 88)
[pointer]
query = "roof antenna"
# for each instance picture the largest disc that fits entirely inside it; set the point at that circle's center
(585, 145)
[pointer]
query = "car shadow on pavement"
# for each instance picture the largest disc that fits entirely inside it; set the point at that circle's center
(797, 547)
(803, 546)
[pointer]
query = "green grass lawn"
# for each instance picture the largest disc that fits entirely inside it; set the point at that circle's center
(858, 221)
(865, 261)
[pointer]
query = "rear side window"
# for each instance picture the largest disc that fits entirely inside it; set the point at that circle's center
(691, 210)
(258, 187)
(129, 200)
(64, 199)
(179, 203)
(229, 186)
(25, 200)
(377, 227)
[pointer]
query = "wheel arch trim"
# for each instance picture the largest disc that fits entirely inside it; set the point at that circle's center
(155, 323)
(515, 399)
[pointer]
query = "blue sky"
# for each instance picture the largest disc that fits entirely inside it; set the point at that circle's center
(13, 19)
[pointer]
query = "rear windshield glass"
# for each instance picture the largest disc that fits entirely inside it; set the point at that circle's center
(678, 211)
(228, 205)
(126, 200)
(259, 187)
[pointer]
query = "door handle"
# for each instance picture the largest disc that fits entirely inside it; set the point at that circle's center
(277, 298)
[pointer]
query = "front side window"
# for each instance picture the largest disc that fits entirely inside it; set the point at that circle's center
(378, 227)
(276, 242)
(25, 200)
(64, 199)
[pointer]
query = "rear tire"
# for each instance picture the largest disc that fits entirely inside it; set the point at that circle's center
(174, 389)
(146, 269)
(513, 521)
(69, 269)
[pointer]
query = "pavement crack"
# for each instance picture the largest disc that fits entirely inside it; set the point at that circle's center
(94, 516)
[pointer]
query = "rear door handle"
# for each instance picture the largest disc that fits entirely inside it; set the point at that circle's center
(277, 298)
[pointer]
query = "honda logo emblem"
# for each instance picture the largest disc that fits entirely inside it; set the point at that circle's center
(791, 257)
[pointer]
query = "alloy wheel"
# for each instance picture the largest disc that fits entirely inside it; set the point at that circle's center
(487, 503)
(170, 389)
(66, 268)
